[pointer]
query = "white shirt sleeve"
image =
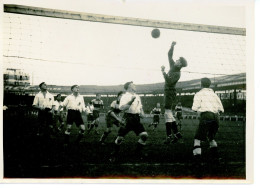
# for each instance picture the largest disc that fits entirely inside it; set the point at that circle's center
(113, 104)
(123, 101)
(65, 102)
(36, 100)
(196, 102)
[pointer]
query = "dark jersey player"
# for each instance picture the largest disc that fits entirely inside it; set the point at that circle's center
(112, 117)
(98, 105)
(171, 79)
(156, 116)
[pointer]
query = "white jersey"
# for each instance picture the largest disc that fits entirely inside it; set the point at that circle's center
(73, 102)
(43, 101)
(57, 105)
(136, 106)
(207, 101)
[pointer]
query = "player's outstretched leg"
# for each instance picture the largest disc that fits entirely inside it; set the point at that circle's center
(114, 154)
(67, 134)
(81, 133)
(91, 126)
(104, 136)
(177, 134)
(213, 152)
(140, 144)
(168, 123)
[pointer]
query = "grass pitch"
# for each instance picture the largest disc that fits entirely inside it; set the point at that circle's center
(29, 156)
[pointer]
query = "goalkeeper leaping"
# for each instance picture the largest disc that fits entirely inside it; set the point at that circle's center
(171, 78)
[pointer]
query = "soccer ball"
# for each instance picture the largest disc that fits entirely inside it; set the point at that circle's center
(155, 33)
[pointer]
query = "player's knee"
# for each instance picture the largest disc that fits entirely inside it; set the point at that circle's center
(143, 137)
(119, 140)
(82, 129)
(213, 144)
(68, 130)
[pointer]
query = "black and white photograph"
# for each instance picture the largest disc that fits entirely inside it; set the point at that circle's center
(127, 91)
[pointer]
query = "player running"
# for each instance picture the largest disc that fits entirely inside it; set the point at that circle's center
(98, 105)
(156, 116)
(59, 116)
(208, 106)
(131, 104)
(112, 117)
(171, 79)
(90, 116)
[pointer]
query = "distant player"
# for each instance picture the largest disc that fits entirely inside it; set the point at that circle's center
(59, 117)
(178, 114)
(98, 105)
(75, 105)
(43, 102)
(131, 104)
(90, 116)
(171, 79)
(112, 117)
(208, 106)
(156, 116)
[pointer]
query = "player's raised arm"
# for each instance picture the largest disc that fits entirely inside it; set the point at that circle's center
(170, 54)
(167, 78)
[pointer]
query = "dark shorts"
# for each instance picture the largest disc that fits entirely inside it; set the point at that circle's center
(110, 121)
(156, 118)
(208, 126)
(74, 116)
(132, 124)
(45, 117)
(169, 98)
(95, 114)
(179, 115)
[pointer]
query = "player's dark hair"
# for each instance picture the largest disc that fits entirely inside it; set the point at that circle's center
(72, 87)
(205, 82)
(183, 62)
(40, 85)
(120, 93)
(127, 85)
(58, 95)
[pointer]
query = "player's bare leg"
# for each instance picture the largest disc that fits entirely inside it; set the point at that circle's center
(104, 136)
(81, 133)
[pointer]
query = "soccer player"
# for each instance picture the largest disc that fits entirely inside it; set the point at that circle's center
(90, 117)
(208, 105)
(171, 79)
(131, 104)
(59, 118)
(43, 102)
(156, 116)
(98, 105)
(112, 117)
(178, 114)
(75, 105)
